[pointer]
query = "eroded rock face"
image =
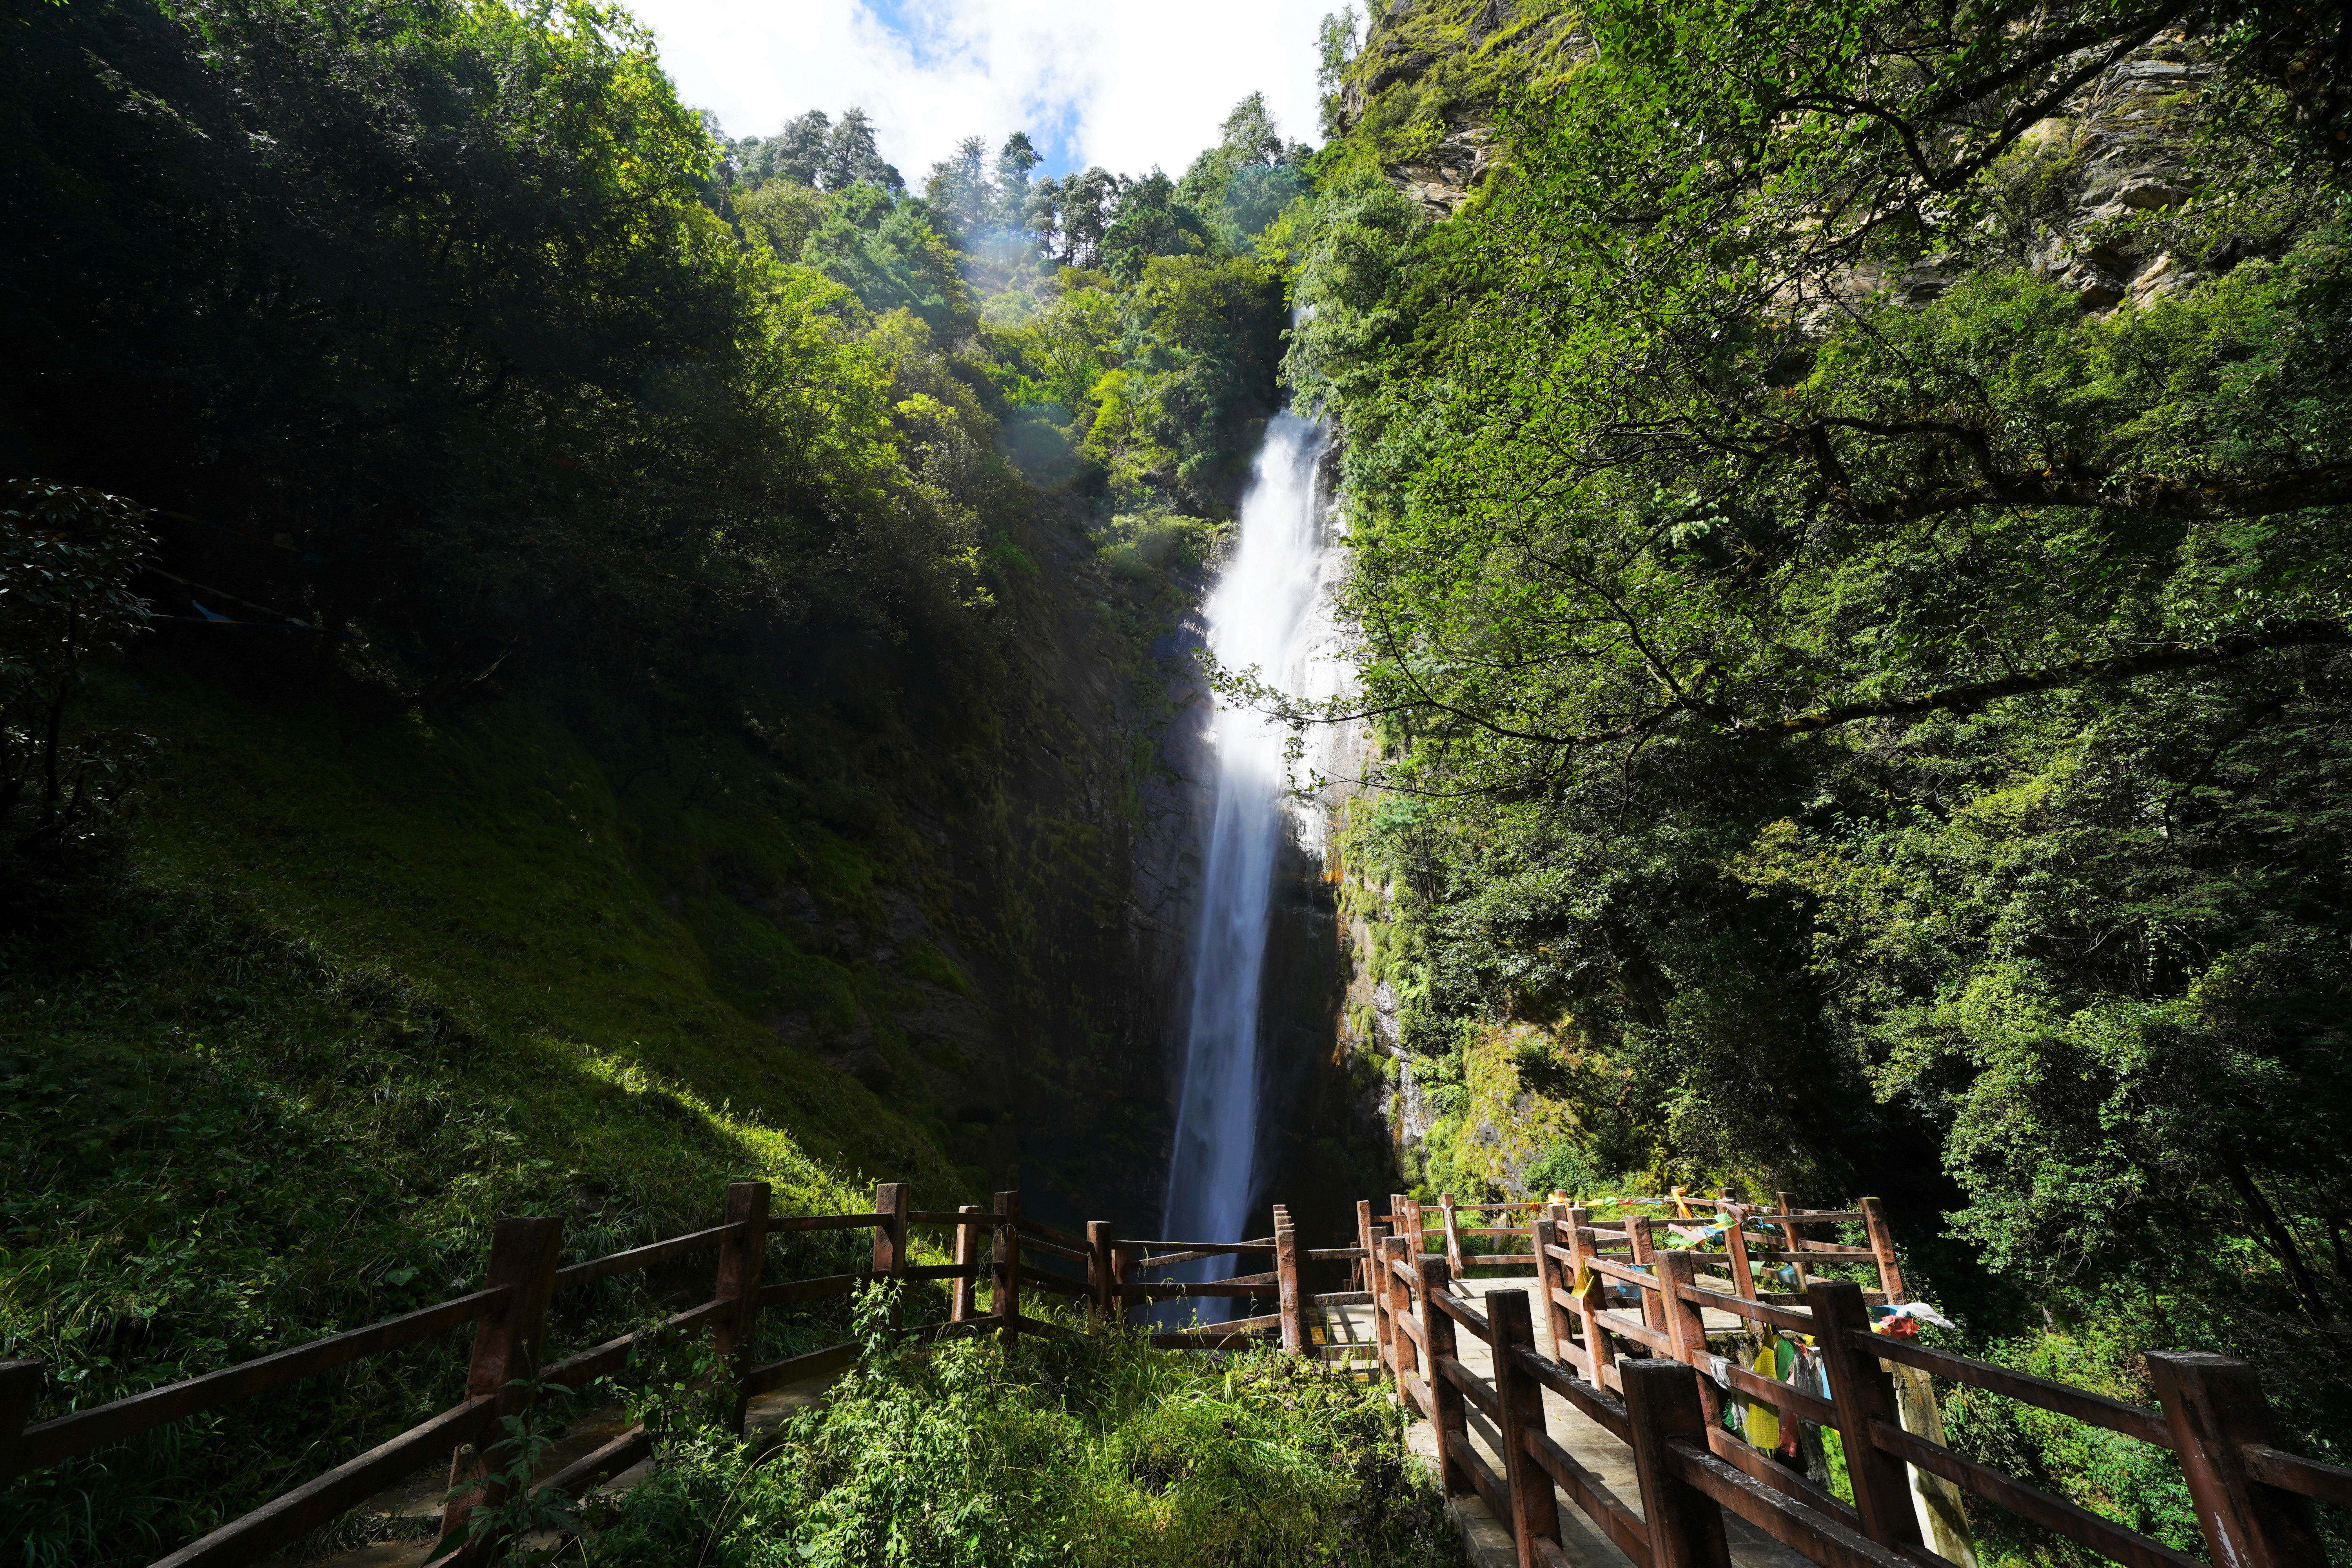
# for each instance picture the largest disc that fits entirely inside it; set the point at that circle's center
(1446, 179)
(2127, 130)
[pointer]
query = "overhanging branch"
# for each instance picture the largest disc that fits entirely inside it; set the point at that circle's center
(2077, 672)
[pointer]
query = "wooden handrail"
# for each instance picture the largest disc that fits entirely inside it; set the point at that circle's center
(1640, 1332)
(1821, 1537)
(801, 1222)
(1601, 1506)
(1781, 1395)
(77, 1433)
(1726, 1473)
(639, 1258)
(1483, 1478)
(1055, 1283)
(1179, 1292)
(1052, 1248)
(1594, 1404)
(1462, 1312)
(2045, 1509)
(1039, 1227)
(1756, 1311)
(291, 1516)
(2131, 1420)
(594, 1469)
(1476, 1389)
(2294, 1473)
(1630, 1273)
(2243, 1487)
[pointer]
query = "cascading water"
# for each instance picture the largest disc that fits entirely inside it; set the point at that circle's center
(1267, 611)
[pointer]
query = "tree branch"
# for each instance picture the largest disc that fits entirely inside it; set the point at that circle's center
(2329, 486)
(2079, 672)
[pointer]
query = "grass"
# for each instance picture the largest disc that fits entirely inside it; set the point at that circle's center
(362, 985)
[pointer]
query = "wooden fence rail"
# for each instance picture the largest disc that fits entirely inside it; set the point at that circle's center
(1642, 1369)
(510, 1317)
(1622, 1311)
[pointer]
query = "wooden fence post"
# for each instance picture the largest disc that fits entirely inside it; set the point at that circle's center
(741, 1256)
(1796, 1244)
(1399, 1254)
(1452, 1231)
(1599, 1354)
(1735, 1246)
(1646, 1255)
(1383, 1330)
(20, 1390)
(1551, 1284)
(1364, 1239)
(890, 1242)
(1447, 1412)
(1412, 1229)
(963, 1301)
(1534, 1510)
(1008, 1268)
(1122, 1268)
(1099, 1270)
(2214, 1406)
(1289, 1306)
(1686, 1525)
(1882, 1242)
(1862, 1392)
(1686, 1328)
(507, 1345)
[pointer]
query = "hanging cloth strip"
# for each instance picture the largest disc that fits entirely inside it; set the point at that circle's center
(1763, 1422)
(1901, 1319)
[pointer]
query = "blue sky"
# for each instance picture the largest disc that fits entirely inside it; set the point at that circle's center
(1116, 82)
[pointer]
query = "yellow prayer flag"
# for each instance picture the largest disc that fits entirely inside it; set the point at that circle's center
(1583, 1279)
(1763, 1420)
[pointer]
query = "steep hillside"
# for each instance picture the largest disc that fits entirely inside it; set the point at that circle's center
(636, 669)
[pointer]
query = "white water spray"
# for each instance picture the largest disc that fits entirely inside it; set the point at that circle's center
(1268, 610)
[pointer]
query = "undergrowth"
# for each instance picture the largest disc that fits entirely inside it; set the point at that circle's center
(1078, 1449)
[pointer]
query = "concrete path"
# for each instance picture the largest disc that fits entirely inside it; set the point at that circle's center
(1585, 1546)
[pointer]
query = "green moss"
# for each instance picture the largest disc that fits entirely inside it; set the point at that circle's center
(1438, 65)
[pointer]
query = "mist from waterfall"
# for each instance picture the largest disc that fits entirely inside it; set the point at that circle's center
(1268, 610)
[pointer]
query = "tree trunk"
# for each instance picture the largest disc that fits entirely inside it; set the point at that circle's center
(2306, 1289)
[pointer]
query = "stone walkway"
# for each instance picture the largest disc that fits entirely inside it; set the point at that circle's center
(1581, 1540)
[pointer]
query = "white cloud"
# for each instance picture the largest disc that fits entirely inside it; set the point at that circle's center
(1118, 82)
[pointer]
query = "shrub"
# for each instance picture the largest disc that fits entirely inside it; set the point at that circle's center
(1081, 1449)
(67, 558)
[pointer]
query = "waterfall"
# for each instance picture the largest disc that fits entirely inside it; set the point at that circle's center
(1267, 610)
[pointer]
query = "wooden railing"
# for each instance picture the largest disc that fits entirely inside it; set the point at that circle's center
(510, 1317)
(1638, 1374)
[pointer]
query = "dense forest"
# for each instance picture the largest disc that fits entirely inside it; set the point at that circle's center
(1847, 527)
(550, 654)
(551, 659)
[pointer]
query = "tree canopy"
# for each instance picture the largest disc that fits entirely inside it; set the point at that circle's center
(1850, 548)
